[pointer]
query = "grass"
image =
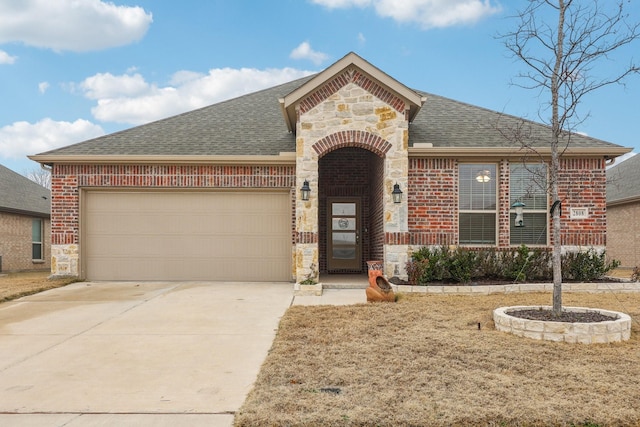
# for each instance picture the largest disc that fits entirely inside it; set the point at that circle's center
(17, 285)
(423, 362)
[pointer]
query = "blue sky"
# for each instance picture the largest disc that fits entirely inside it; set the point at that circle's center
(72, 70)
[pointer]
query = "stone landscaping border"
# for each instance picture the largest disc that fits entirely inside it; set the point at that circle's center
(583, 333)
(617, 287)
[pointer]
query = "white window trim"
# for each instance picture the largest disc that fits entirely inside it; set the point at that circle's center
(495, 211)
(41, 242)
(531, 211)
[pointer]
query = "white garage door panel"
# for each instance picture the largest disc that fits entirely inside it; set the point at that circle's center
(187, 236)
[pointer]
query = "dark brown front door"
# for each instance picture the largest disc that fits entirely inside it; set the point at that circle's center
(344, 243)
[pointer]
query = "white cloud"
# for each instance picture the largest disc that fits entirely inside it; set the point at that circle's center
(23, 138)
(43, 86)
(71, 24)
(304, 51)
(361, 38)
(426, 13)
(106, 85)
(5, 58)
(130, 99)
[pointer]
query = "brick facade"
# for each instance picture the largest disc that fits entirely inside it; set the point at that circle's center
(623, 243)
(15, 245)
(583, 184)
(433, 202)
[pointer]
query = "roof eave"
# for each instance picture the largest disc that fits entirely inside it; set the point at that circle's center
(25, 212)
(624, 201)
(475, 152)
(284, 158)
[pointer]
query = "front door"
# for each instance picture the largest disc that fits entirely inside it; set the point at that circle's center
(344, 243)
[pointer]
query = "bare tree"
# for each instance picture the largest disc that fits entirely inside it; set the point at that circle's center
(40, 176)
(565, 45)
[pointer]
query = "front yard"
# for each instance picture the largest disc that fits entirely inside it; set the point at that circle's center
(16, 285)
(424, 362)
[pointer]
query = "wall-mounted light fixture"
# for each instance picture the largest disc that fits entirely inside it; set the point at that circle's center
(483, 176)
(518, 207)
(396, 193)
(305, 191)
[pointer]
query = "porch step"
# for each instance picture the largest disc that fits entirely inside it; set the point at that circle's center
(345, 285)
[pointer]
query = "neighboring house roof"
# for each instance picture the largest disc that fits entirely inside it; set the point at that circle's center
(623, 181)
(257, 125)
(22, 196)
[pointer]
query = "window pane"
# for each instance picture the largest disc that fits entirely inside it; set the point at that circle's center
(36, 251)
(478, 228)
(343, 209)
(36, 230)
(477, 187)
(529, 185)
(534, 231)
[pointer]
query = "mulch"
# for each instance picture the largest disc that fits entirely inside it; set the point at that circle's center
(565, 316)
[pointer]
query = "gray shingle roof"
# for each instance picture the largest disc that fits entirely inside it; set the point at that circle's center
(21, 195)
(248, 125)
(445, 122)
(253, 124)
(623, 181)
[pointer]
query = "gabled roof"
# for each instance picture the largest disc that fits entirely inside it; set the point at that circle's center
(413, 100)
(251, 129)
(623, 182)
(22, 196)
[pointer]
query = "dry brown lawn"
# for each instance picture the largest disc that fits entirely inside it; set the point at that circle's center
(423, 362)
(16, 285)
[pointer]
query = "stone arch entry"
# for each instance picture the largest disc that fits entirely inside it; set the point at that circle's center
(352, 138)
(351, 171)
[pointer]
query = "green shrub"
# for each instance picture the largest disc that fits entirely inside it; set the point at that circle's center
(514, 264)
(429, 265)
(439, 264)
(586, 266)
(461, 264)
(488, 265)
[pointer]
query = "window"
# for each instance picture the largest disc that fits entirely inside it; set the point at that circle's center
(477, 204)
(36, 240)
(528, 185)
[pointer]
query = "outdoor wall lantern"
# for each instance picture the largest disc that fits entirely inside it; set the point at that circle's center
(305, 191)
(483, 176)
(518, 208)
(396, 193)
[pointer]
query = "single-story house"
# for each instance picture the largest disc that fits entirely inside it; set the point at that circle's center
(315, 176)
(25, 224)
(623, 212)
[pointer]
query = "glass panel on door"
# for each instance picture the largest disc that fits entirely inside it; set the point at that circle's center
(344, 235)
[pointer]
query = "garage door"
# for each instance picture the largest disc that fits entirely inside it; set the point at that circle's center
(234, 236)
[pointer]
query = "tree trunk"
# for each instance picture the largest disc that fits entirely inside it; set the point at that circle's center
(556, 129)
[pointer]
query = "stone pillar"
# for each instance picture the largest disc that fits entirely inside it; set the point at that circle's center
(64, 260)
(307, 266)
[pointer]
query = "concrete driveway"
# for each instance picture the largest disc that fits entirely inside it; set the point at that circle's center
(93, 354)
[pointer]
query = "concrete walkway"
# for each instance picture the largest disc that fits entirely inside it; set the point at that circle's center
(139, 354)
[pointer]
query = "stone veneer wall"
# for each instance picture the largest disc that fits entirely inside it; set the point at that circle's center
(68, 180)
(351, 110)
